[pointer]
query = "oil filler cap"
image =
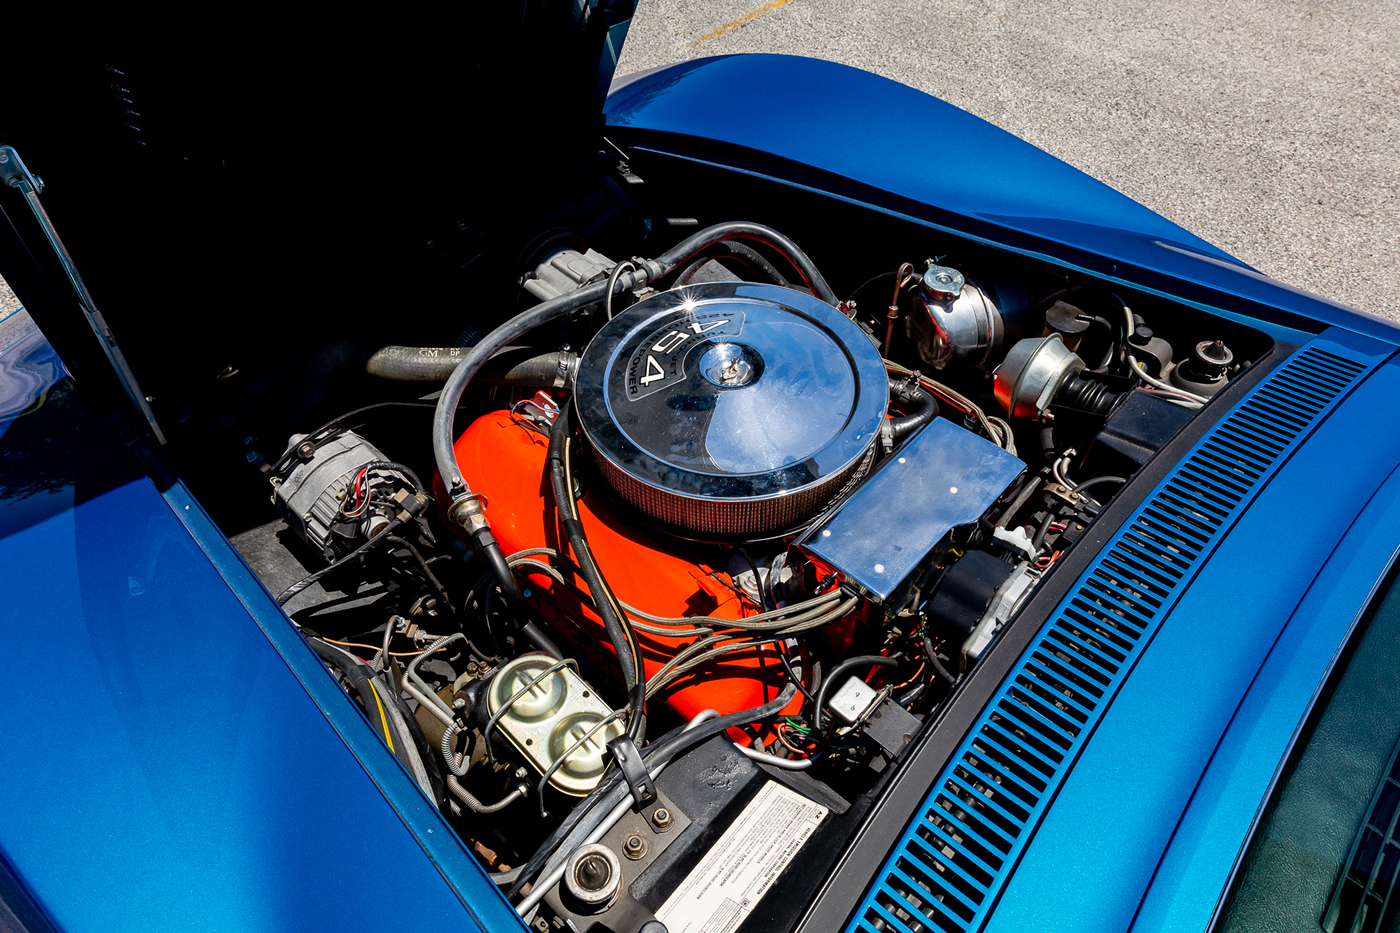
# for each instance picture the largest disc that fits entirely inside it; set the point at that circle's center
(730, 409)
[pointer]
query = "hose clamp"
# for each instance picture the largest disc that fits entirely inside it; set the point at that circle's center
(568, 364)
(634, 771)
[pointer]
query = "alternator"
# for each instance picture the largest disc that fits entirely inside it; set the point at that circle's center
(333, 502)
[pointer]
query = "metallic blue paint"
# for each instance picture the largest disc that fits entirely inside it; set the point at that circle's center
(1099, 844)
(165, 768)
(1197, 865)
(979, 180)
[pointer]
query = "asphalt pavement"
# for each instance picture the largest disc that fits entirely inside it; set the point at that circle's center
(1269, 127)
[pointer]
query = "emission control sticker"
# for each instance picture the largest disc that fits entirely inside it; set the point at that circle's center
(739, 869)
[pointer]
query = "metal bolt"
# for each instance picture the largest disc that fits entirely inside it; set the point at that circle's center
(4, 157)
(400, 623)
(306, 450)
(661, 818)
(521, 773)
(459, 703)
(634, 847)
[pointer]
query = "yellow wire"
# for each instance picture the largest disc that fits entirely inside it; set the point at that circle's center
(382, 720)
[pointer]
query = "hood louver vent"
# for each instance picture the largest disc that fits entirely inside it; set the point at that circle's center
(954, 859)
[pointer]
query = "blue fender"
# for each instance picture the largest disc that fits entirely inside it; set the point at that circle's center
(908, 151)
(174, 756)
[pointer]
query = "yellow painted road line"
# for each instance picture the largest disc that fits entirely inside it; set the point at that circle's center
(741, 21)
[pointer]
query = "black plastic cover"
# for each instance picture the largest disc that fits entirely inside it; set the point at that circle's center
(966, 590)
(1135, 431)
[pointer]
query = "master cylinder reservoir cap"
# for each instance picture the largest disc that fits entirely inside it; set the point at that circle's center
(555, 721)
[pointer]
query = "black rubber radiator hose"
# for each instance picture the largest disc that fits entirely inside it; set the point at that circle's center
(467, 510)
(514, 366)
(729, 252)
(915, 399)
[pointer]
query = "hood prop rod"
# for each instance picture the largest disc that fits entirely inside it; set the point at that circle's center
(14, 174)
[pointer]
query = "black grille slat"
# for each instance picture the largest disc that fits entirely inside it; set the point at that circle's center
(976, 858)
(1092, 615)
(1182, 527)
(1102, 639)
(1047, 711)
(1126, 564)
(1013, 816)
(993, 770)
(1228, 490)
(1082, 654)
(1028, 734)
(1256, 440)
(948, 868)
(1018, 749)
(930, 892)
(1137, 602)
(1059, 687)
(1140, 548)
(1195, 503)
(1265, 428)
(1044, 727)
(1060, 660)
(1108, 599)
(967, 825)
(1363, 895)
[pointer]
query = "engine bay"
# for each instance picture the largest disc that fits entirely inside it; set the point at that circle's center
(651, 586)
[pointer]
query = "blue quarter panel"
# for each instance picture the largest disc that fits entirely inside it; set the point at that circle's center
(1193, 873)
(879, 133)
(1100, 842)
(164, 768)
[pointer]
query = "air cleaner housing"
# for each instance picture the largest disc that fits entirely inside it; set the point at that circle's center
(731, 410)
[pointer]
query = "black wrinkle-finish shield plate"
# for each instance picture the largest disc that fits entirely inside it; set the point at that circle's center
(731, 392)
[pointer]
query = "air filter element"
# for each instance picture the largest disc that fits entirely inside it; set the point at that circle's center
(731, 410)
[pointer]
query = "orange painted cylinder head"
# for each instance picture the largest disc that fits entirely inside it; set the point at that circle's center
(504, 461)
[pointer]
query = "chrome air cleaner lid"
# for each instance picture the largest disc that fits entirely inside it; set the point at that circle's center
(731, 409)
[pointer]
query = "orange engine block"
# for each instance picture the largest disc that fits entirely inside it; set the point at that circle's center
(505, 462)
